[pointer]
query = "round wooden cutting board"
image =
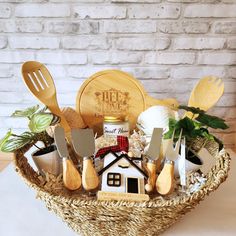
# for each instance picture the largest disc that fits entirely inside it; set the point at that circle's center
(114, 93)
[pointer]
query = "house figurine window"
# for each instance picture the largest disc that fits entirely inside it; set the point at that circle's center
(114, 179)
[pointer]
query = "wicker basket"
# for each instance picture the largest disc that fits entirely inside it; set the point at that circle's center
(87, 216)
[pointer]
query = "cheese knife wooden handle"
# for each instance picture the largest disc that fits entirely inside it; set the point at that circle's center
(151, 166)
(71, 176)
(153, 154)
(90, 180)
(165, 180)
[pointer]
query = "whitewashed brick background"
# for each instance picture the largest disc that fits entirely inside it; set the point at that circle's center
(168, 45)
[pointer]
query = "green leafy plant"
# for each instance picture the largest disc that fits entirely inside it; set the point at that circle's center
(208, 120)
(195, 128)
(39, 121)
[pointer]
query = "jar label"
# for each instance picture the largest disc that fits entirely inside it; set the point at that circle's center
(116, 129)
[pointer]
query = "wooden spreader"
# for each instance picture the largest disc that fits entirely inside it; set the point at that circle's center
(114, 93)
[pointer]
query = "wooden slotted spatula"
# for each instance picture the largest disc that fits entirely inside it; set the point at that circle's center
(205, 94)
(84, 145)
(71, 176)
(39, 81)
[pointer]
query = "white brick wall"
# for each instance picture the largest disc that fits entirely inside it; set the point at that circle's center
(5, 11)
(167, 44)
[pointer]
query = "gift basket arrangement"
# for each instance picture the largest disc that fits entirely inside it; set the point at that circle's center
(122, 161)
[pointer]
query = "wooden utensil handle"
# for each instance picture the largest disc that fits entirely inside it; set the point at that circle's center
(151, 166)
(90, 180)
(165, 180)
(169, 102)
(56, 110)
(148, 186)
(71, 176)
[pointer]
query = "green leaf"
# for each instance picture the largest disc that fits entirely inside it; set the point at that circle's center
(197, 125)
(5, 139)
(194, 110)
(39, 122)
(195, 128)
(13, 144)
(208, 136)
(172, 127)
(25, 113)
(168, 135)
(187, 124)
(212, 121)
(196, 133)
(17, 142)
(27, 135)
(172, 123)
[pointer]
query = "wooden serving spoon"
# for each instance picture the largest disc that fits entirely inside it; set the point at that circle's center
(39, 81)
(205, 94)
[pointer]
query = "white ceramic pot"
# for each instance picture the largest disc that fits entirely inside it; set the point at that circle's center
(193, 165)
(48, 160)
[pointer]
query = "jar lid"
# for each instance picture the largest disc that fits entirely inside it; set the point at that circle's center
(113, 119)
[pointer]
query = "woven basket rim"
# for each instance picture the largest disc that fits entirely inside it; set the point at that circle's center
(219, 175)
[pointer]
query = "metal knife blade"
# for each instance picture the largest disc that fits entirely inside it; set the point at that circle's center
(59, 136)
(83, 142)
(155, 144)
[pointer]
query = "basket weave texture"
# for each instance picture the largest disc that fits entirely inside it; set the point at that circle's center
(87, 216)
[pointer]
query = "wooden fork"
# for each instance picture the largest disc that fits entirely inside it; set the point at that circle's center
(39, 81)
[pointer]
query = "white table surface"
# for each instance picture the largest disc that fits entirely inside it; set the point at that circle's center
(22, 215)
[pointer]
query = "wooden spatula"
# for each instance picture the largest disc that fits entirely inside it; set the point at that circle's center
(84, 145)
(71, 176)
(39, 81)
(206, 93)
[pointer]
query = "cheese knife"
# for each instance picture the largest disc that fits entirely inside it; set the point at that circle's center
(71, 176)
(153, 154)
(165, 180)
(84, 145)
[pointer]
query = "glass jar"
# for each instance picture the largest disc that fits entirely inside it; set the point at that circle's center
(114, 126)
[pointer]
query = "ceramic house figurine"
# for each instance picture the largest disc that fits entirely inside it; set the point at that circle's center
(122, 179)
